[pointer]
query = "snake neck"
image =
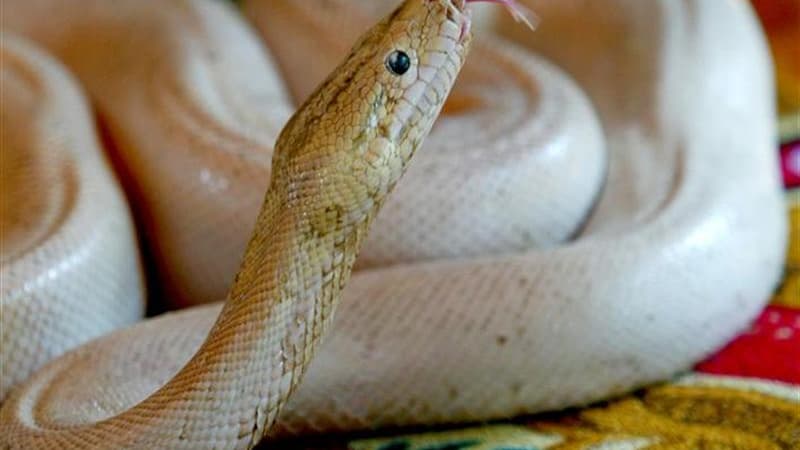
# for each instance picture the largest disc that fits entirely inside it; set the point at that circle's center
(281, 302)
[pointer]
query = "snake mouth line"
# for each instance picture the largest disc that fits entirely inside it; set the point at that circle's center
(458, 13)
(456, 9)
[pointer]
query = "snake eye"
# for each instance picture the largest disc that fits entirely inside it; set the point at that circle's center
(398, 62)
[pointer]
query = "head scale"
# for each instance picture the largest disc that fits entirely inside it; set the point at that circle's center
(361, 127)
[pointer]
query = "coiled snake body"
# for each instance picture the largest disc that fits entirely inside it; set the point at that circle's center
(468, 305)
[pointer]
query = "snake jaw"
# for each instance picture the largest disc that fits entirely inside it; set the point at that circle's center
(457, 10)
(460, 14)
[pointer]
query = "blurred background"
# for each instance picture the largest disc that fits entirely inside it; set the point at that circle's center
(781, 20)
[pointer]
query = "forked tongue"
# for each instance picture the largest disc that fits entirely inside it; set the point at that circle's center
(519, 12)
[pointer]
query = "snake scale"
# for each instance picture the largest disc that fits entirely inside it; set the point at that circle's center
(573, 227)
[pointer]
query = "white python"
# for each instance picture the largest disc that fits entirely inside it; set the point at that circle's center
(64, 224)
(680, 252)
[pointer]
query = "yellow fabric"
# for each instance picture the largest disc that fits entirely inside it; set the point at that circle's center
(704, 412)
(485, 438)
(789, 293)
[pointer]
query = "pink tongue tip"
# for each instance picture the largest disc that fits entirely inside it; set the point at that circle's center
(465, 27)
(518, 12)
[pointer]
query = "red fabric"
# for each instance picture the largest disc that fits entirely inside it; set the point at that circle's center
(769, 350)
(790, 163)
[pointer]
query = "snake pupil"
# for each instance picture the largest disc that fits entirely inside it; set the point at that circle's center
(398, 62)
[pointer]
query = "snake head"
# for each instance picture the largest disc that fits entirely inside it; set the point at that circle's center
(366, 120)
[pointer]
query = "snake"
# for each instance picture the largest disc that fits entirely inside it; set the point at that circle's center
(578, 223)
(335, 162)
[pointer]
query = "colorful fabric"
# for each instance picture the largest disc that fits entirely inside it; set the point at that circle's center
(777, 329)
(697, 412)
(789, 293)
(790, 162)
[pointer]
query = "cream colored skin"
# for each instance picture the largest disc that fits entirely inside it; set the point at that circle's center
(334, 164)
(470, 321)
(192, 105)
(53, 181)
